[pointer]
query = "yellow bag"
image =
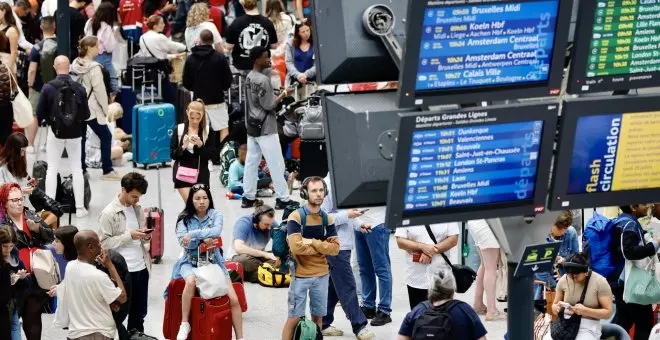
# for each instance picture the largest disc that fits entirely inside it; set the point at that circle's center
(272, 277)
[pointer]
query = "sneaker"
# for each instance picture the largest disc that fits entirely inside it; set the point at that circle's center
(332, 331)
(365, 334)
(30, 150)
(112, 176)
(279, 204)
(265, 193)
(248, 203)
(368, 312)
(381, 319)
(184, 330)
(135, 334)
(81, 212)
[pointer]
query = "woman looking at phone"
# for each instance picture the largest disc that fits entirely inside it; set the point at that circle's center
(12, 285)
(592, 306)
(13, 169)
(198, 223)
(31, 232)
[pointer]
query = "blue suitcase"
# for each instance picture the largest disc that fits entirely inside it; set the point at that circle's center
(153, 125)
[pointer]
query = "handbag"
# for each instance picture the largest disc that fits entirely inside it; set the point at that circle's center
(567, 329)
(186, 174)
(20, 105)
(463, 275)
(641, 285)
(211, 279)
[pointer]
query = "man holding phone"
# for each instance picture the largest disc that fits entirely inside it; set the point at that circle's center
(123, 229)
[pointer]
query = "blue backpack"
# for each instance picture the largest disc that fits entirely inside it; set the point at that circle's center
(598, 244)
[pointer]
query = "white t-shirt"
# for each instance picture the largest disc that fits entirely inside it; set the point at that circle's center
(132, 252)
(419, 275)
(85, 296)
(192, 34)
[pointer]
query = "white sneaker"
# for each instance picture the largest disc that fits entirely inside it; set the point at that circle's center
(30, 150)
(184, 330)
(366, 334)
(81, 212)
(332, 331)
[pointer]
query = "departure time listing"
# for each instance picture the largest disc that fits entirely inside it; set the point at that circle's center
(626, 38)
(472, 165)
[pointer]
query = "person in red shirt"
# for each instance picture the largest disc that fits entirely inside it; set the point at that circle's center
(130, 17)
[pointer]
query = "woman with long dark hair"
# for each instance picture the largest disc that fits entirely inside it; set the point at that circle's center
(9, 35)
(199, 223)
(13, 287)
(102, 26)
(13, 169)
(31, 232)
(192, 145)
(300, 56)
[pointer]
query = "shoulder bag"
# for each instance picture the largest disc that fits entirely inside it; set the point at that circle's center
(567, 329)
(464, 275)
(641, 284)
(20, 104)
(186, 174)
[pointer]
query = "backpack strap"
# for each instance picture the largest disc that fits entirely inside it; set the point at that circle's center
(303, 216)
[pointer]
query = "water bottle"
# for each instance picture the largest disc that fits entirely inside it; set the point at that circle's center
(233, 196)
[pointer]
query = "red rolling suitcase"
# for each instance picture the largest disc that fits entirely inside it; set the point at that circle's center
(237, 267)
(238, 286)
(156, 221)
(172, 317)
(211, 319)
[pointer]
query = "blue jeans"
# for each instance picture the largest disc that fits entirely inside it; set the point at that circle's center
(342, 289)
(318, 295)
(106, 144)
(269, 147)
(15, 326)
(105, 59)
(373, 255)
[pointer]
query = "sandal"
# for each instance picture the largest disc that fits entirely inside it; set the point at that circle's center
(497, 317)
(481, 311)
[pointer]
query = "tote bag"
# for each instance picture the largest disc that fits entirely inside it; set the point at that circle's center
(641, 284)
(20, 105)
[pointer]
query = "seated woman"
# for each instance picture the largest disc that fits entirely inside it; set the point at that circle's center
(198, 223)
(64, 246)
(31, 232)
(13, 169)
(597, 304)
(465, 323)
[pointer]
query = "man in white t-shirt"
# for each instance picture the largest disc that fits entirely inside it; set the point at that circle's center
(423, 259)
(86, 294)
(123, 230)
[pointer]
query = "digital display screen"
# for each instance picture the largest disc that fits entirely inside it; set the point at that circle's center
(615, 152)
(473, 165)
(486, 45)
(625, 38)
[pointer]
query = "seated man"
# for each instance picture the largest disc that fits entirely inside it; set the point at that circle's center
(236, 170)
(251, 235)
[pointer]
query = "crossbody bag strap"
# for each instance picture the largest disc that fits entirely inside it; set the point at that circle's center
(435, 241)
(584, 291)
(147, 47)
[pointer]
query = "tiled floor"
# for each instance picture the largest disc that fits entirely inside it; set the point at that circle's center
(266, 306)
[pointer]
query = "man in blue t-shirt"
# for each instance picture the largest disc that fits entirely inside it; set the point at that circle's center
(465, 323)
(251, 235)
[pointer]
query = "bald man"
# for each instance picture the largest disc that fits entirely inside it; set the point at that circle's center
(63, 104)
(85, 295)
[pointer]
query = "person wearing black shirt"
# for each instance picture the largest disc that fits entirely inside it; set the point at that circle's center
(76, 25)
(248, 31)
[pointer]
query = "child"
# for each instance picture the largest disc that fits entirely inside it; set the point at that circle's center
(236, 170)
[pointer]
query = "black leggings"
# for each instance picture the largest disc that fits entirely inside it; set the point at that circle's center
(416, 296)
(629, 314)
(34, 306)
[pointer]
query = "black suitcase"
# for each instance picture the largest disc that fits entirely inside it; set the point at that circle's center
(313, 158)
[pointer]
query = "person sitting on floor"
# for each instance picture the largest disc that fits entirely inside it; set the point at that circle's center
(236, 170)
(251, 235)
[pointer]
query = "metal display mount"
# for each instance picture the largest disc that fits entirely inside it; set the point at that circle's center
(379, 21)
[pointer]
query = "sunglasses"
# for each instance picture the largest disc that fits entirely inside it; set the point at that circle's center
(198, 187)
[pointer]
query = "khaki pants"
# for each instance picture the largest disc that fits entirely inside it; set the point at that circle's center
(93, 336)
(251, 265)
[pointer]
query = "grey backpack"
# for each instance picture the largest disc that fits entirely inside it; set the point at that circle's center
(311, 123)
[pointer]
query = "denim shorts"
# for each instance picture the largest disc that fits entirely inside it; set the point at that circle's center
(318, 295)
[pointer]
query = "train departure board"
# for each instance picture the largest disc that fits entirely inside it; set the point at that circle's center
(472, 160)
(487, 46)
(617, 46)
(611, 151)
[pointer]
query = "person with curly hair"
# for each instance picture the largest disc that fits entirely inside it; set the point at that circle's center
(198, 21)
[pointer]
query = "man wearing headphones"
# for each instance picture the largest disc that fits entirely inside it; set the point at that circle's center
(311, 236)
(251, 235)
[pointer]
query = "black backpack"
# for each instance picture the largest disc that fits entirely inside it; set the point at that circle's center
(66, 117)
(435, 323)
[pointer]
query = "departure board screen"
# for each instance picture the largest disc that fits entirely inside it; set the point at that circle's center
(623, 51)
(473, 165)
(615, 152)
(486, 45)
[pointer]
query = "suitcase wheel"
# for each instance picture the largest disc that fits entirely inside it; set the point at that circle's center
(134, 165)
(156, 260)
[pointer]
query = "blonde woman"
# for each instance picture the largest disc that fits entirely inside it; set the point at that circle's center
(192, 145)
(198, 20)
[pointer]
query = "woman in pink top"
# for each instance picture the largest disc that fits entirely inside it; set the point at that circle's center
(101, 25)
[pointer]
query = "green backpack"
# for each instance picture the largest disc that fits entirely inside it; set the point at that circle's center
(306, 329)
(227, 156)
